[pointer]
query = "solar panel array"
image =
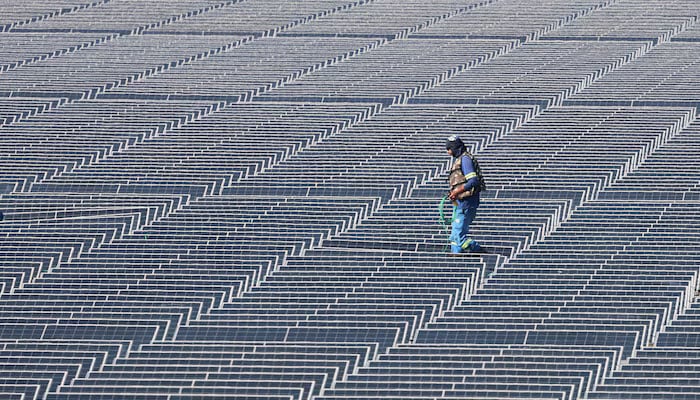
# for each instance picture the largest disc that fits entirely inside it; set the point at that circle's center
(239, 199)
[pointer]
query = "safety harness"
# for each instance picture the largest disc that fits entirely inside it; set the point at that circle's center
(457, 177)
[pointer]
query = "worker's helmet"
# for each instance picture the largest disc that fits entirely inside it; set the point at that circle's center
(455, 144)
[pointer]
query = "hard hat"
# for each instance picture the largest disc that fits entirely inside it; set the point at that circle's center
(455, 144)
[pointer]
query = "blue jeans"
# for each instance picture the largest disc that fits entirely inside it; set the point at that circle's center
(459, 239)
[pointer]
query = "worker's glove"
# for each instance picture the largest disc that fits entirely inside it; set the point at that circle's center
(456, 192)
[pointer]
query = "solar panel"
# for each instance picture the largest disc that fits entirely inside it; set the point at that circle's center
(241, 199)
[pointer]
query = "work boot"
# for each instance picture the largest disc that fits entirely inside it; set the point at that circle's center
(479, 250)
(475, 247)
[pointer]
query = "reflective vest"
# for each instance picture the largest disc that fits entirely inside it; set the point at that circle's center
(457, 177)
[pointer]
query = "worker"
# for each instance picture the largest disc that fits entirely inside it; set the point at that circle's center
(466, 184)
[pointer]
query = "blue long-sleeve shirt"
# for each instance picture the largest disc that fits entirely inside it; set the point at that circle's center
(467, 169)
